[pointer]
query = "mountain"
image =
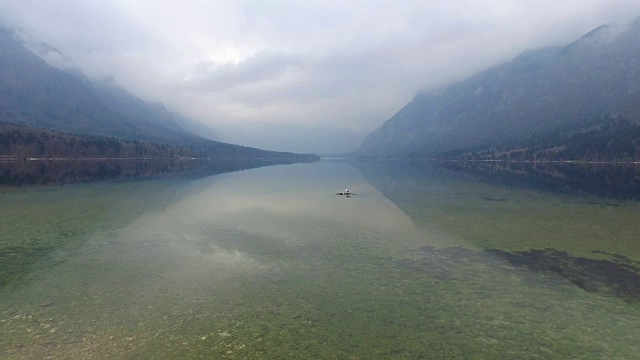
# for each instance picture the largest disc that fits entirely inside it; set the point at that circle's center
(44, 89)
(41, 88)
(153, 118)
(36, 94)
(575, 88)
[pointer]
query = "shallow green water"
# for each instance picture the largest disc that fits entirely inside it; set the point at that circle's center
(424, 262)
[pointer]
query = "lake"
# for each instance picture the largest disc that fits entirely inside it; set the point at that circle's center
(426, 261)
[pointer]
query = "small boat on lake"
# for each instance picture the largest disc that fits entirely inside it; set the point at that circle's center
(346, 193)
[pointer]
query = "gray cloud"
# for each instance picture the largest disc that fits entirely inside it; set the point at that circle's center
(77, 26)
(345, 64)
(209, 76)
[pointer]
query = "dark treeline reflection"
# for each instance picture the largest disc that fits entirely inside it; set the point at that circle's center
(54, 220)
(26, 173)
(616, 181)
(540, 239)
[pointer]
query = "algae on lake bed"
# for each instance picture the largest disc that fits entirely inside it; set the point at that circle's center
(47, 222)
(617, 276)
(269, 264)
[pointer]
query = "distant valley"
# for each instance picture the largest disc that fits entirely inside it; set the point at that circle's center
(56, 111)
(579, 102)
(576, 102)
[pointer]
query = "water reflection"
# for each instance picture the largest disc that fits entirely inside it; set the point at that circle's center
(576, 221)
(41, 222)
(270, 263)
(23, 173)
(617, 181)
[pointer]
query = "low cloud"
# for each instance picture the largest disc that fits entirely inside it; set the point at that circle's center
(210, 76)
(340, 64)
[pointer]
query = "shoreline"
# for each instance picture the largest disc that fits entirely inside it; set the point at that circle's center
(590, 162)
(540, 161)
(15, 159)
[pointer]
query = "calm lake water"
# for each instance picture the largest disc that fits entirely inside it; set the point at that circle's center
(426, 261)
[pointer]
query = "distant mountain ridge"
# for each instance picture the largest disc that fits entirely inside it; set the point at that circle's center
(41, 88)
(596, 77)
(154, 118)
(36, 94)
(45, 89)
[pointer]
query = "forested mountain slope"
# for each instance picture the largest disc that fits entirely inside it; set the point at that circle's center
(579, 86)
(36, 95)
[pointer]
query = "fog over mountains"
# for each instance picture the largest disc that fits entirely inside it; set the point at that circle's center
(40, 88)
(576, 88)
(36, 94)
(576, 101)
(315, 139)
(44, 89)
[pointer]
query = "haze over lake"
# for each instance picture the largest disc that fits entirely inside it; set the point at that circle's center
(319, 179)
(427, 260)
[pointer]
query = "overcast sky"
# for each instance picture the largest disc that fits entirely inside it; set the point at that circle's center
(348, 64)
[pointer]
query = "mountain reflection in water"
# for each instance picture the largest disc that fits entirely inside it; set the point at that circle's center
(41, 222)
(425, 263)
(618, 181)
(58, 172)
(553, 222)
